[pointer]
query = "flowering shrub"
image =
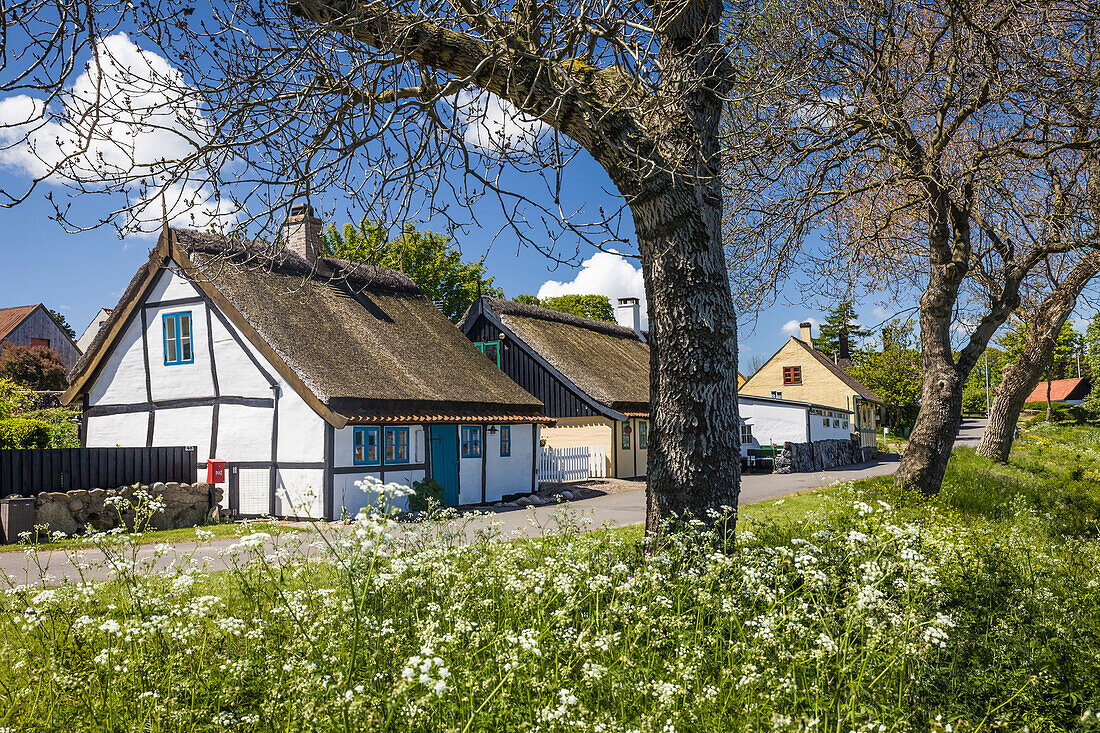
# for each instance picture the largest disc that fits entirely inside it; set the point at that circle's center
(870, 613)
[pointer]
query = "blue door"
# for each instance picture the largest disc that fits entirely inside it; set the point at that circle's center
(444, 440)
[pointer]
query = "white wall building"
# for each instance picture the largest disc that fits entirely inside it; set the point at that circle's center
(306, 375)
(767, 421)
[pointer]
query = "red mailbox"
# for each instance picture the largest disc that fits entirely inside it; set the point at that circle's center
(215, 471)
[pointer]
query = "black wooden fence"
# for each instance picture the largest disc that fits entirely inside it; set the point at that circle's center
(28, 472)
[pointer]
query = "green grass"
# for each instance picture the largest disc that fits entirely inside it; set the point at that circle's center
(153, 537)
(852, 608)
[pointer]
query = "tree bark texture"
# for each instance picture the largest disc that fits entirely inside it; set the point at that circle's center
(661, 150)
(1021, 377)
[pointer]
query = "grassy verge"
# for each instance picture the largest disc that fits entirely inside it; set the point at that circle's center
(857, 608)
(154, 537)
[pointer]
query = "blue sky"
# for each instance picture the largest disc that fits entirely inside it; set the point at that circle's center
(77, 274)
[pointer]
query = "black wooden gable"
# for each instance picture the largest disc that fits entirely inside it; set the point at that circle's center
(560, 397)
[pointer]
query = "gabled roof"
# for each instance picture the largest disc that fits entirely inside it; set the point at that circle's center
(607, 362)
(853, 383)
(1060, 390)
(358, 342)
(10, 318)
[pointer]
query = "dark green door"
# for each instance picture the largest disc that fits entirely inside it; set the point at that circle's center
(444, 440)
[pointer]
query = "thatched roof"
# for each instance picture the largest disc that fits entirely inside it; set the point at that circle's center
(362, 339)
(608, 362)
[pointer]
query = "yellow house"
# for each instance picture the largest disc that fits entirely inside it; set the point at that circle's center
(800, 372)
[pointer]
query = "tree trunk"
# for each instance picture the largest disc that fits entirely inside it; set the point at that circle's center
(695, 459)
(694, 456)
(1021, 377)
(1048, 395)
(925, 459)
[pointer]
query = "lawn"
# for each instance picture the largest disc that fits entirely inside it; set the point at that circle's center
(153, 537)
(853, 609)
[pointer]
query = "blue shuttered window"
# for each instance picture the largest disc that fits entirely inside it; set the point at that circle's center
(397, 445)
(367, 446)
(471, 441)
(505, 440)
(177, 338)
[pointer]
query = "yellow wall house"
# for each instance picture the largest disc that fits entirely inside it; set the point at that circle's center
(800, 372)
(593, 376)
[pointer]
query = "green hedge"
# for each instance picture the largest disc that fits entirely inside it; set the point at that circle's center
(19, 432)
(64, 425)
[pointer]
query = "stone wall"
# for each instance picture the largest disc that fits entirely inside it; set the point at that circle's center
(185, 505)
(817, 456)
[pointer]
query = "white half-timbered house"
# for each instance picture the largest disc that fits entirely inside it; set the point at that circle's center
(305, 374)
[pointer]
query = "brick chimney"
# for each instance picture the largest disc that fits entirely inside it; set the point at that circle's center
(806, 326)
(302, 233)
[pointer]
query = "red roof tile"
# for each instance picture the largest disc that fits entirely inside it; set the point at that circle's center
(12, 317)
(1060, 389)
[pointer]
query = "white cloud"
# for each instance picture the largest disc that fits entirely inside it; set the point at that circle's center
(794, 328)
(494, 125)
(127, 117)
(604, 273)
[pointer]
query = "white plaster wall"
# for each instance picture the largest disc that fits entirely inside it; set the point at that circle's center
(509, 474)
(352, 498)
(839, 427)
(244, 433)
(237, 374)
(301, 430)
(121, 379)
(774, 423)
(299, 492)
(343, 445)
(179, 381)
(126, 430)
(184, 426)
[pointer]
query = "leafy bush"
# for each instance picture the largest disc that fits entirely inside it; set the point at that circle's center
(13, 398)
(64, 425)
(34, 367)
(18, 432)
(1059, 412)
(428, 489)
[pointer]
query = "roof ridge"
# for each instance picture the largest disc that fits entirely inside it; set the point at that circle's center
(511, 307)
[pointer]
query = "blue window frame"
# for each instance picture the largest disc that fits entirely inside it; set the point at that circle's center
(177, 338)
(471, 441)
(367, 446)
(505, 441)
(643, 435)
(625, 429)
(397, 445)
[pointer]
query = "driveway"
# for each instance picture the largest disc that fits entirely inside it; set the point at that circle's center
(613, 509)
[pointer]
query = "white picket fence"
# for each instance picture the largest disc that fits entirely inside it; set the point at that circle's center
(572, 464)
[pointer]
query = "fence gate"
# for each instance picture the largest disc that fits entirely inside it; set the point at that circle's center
(572, 464)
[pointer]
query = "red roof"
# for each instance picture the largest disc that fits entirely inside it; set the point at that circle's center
(1060, 390)
(12, 317)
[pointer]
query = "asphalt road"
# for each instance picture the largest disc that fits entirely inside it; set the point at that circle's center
(615, 509)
